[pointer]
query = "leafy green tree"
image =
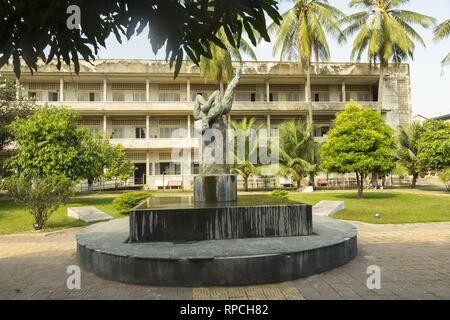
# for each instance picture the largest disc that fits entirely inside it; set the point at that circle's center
(299, 152)
(385, 32)
(42, 196)
(408, 151)
(442, 31)
(35, 29)
(434, 145)
(242, 163)
(12, 107)
(360, 142)
(302, 34)
(445, 178)
(118, 169)
(49, 143)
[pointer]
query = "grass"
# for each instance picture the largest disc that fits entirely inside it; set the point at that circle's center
(15, 219)
(394, 207)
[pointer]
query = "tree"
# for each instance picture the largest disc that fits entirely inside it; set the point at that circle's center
(299, 152)
(12, 107)
(118, 169)
(386, 33)
(302, 33)
(408, 151)
(442, 31)
(445, 178)
(360, 142)
(247, 133)
(220, 67)
(49, 143)
(434, 145)
(40, 195)
(37, 29)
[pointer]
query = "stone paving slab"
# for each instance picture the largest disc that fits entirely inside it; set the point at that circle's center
(87, 214)
(414, 260)
(327, 208)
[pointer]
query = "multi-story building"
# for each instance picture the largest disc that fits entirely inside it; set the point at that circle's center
(139, 104)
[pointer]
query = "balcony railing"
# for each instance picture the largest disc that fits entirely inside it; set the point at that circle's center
(156, 143)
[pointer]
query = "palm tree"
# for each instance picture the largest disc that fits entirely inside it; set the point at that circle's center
(386, 33)
(408, 137)
(299, 152)
(302, 33)
(220, 67)
(442, 31)
(242, 163)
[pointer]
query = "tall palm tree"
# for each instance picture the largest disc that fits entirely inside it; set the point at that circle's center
(408, 151)
(442, 31)
(302, 34)
(242, 164)
(299, 152)
(385, 32)
(220, 67)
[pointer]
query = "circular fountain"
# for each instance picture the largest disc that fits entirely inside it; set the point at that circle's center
(215, 238)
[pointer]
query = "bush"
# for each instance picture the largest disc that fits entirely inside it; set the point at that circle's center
(280, 193)
(129, 200)
(445, 178)
(41, 196)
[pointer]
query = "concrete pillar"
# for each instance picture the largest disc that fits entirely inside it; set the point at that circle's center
(344, 98)
(104, 89)
(147, 167)
(61, 89)
(268, 125)
(17, 88)
(104, 126)
(267, 90)
(147, 90)
(188, 90)
(147, 127)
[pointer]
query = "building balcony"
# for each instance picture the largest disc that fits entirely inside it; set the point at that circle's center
(186, 106)
(156, 143)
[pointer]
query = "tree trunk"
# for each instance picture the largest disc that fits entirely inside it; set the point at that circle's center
(374, 179)
(246, 184)
(414, 180)
(359, 182)
(312, 181)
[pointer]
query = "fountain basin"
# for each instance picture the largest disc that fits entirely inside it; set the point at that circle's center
(183, 219)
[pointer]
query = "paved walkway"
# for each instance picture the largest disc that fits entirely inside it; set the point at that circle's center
(414, 261)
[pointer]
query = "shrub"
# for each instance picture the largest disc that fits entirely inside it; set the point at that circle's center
(280, 193)
(129, 200)
(41, 196)
(445, 178)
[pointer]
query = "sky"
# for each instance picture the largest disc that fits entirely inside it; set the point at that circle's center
(430, 83)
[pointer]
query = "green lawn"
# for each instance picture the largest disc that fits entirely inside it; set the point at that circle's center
(394, 207)
(14, 218)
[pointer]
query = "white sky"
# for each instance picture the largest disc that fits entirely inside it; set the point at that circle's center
(430, 83)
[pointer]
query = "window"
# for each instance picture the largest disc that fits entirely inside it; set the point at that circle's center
(363, 96)
(195, 168)
(292, 96)
(140, 133)
(118, 132)
(90, 96)
(321, 96)
(274, 132)
(95, 130)
(169, 132)
(322, 131)
(117, 96)
(140, 96)
(169, 96)
(53, 96)
(35, 95)
(170, 168)
(273, 96)
(247, 96)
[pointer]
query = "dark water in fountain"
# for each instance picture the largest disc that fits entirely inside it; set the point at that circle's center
(187, 202)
